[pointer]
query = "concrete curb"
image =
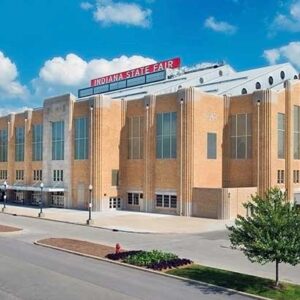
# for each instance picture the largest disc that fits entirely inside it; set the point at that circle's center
(150, 271)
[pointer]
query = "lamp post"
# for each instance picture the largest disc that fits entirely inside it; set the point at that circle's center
(41, 214)
(89, 220)
(4, 196)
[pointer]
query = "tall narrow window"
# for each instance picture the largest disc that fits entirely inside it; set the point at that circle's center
(281, 135)
(241, 136)
(166, 124)
(19, 143)
(296, 132)
(135, 137)
(3, 145)
(81, 138)
(58, 140)
(37, 142)
(211, 145)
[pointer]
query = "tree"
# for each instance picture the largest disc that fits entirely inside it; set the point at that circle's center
(271, 233)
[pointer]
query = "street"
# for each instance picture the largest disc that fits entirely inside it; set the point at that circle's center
(32, 272)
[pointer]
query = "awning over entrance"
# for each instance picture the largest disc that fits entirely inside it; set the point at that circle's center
(20, 186)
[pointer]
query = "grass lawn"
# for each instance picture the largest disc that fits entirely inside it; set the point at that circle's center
(237, 281)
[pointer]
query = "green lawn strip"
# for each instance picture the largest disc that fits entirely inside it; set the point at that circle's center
(240, 282)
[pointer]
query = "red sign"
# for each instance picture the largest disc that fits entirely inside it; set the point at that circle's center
(159, 66)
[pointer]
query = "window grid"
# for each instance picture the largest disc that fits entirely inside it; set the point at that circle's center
(81, 138)
(296, 177)
(166, 201)
(166, 127)
(241, 136)
(3, 145)
(19, 174)
(37, 142)
(280, 176)
(134, 198)
(135, 137)
(58, 140)
(37, 175)
(58, 175)
(3, 174)
(19, 143)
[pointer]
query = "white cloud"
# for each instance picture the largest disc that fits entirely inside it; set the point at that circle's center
(10, 87)
(289, 21)
(4, 111)
(290, 52)
(86, 5)
(67, 74)
(219, 26)
(108, 12)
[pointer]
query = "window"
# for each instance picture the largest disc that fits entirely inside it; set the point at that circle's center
(281, 135)
(241, 136)
(271, 80)
(280, 176)
(19, 174)
(3, 145)
(166, 135)
(211, 145)
(296, 77)
(244, 91)
(3, 174)
(114, 177)
(220, 73)
(37, 175)
(135, 137)
(296, 132)
(81, 138)
(166, 200)
(37, 142)
(19, 143)
(296, 176)
(282, 75)
(201, 80)
(58, 140)
(258, 85)
(58, 175)
(134, 198)
(114, 202)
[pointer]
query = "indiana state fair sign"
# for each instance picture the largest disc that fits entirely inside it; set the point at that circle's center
(131, 78)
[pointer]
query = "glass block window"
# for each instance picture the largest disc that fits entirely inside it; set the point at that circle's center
(19, 143)
(3, 145)
(81, 138)
(58, 140)
(241, 136)
(37, 142)
(211, 145)
(166, 124)
(135, 137)
(281, 135)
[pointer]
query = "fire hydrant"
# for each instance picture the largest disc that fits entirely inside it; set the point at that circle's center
(118, 248)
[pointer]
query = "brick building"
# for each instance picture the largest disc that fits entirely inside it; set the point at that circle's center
(197, 143)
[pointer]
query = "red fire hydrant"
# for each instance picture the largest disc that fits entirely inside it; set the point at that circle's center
(118, 248)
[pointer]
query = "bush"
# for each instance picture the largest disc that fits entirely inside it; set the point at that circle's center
(156, 260)
(146, 258)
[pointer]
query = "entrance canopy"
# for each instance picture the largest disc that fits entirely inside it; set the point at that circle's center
(20, 186)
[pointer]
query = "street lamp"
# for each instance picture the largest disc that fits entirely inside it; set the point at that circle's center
(4, 196)
(89, 220)
(41, 214)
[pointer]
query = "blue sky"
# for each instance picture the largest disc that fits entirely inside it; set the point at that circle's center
(48, 47)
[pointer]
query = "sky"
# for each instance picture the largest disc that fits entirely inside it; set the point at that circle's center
(52, 47)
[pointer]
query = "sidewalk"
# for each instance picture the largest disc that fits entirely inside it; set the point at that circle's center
(126, 220)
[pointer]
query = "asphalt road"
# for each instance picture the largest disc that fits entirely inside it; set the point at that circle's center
(32, 272)
(212, 249)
